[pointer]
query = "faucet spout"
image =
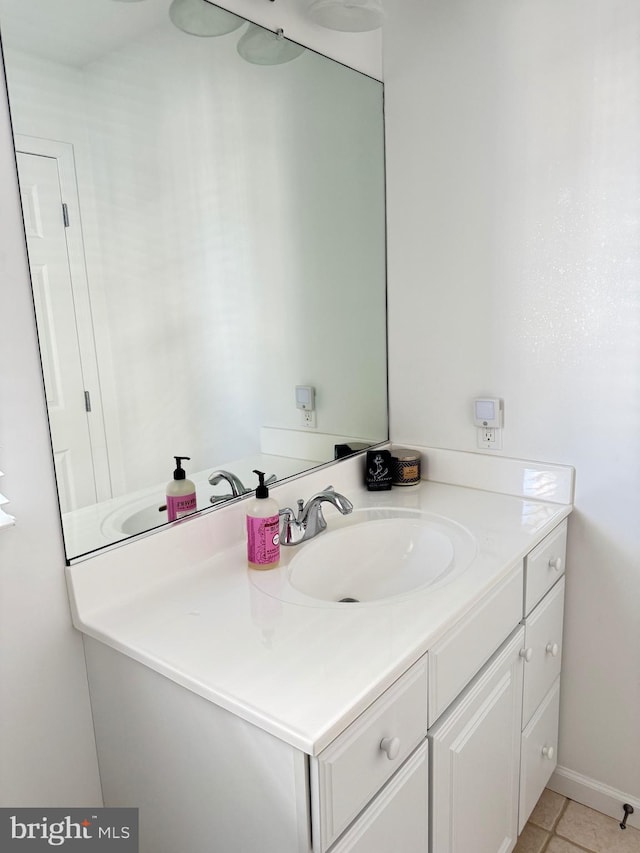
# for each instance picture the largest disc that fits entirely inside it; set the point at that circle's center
(328, 495)
(235, 483)
(310, 520)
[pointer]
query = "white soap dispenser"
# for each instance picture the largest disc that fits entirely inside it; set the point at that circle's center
(263, 529)
(181, 493)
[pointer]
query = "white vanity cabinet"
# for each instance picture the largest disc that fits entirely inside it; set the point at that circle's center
(451, 758)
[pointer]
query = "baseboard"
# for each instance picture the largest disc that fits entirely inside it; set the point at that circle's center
(594, 794)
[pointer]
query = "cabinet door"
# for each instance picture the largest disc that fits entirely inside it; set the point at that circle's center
(475, 753)
(397, 819)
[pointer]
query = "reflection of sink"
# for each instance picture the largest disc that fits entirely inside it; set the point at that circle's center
(129, 521)
(378, 554)
(134, 517)
(143, 519)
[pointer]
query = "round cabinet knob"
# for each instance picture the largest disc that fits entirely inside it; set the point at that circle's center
(527, 654)
(553, 649)
(390, 745)
(548, 752)
(556, 563)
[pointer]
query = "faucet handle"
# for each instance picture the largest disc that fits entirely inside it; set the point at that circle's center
(286, 515)
(289, 534)
(219, 499)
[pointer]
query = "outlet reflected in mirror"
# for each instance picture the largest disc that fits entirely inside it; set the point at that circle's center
(204, 235)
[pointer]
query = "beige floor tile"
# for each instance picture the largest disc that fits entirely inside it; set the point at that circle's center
(597, 832)
(548, 809)
(561, 845)
(532, 840)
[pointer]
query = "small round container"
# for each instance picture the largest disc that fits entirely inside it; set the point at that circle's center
(405, 466)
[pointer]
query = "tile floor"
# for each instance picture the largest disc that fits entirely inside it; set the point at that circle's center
(558, 825)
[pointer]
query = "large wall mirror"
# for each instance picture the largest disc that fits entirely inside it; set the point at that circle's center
(204, 217)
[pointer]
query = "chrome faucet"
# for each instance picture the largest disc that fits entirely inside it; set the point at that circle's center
(309, 520)
(235, 484)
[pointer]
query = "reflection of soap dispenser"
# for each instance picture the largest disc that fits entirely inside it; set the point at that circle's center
(181, 493)
(263, 529)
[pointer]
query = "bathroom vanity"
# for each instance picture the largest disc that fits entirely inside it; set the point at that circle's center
(241, 715)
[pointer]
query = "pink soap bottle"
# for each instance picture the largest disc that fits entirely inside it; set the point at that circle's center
(181, 493)
(263, 529)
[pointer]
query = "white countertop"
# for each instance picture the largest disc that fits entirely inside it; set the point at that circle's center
(184, 603)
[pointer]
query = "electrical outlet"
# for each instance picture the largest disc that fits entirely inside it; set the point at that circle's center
(308, 418)
(490, 438)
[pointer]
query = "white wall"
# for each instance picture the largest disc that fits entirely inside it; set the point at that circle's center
(514, 271)
(47, 751)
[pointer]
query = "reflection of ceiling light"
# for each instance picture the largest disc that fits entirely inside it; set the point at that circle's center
(256, 45)
(352, 16)
(262, 47)
(200, 18)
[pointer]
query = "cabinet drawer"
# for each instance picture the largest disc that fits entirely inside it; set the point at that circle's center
(543, 639)
(455, 659)
(539, 752)
(350, 771)
(398, 818)
(543, 566)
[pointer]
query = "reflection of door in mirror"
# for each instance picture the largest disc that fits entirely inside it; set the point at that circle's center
(74, 406)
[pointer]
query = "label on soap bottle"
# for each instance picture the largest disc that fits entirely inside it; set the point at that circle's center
(263, 540)
(180, 505)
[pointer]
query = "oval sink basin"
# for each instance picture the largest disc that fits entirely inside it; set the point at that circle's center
(380, 554)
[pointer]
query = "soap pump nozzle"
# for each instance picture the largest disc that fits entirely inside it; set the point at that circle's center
(179, 473)
(262, 491)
